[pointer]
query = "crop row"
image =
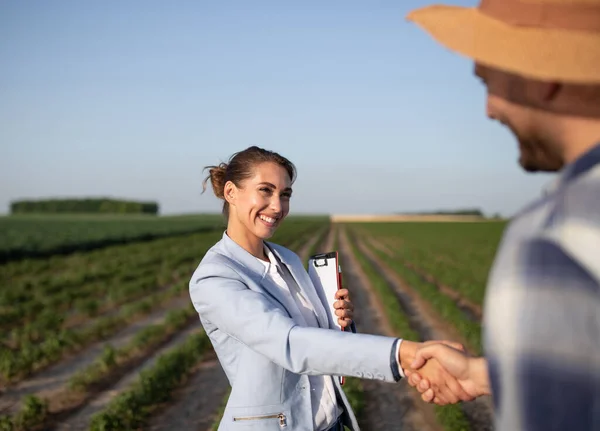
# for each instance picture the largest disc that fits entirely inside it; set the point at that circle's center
(41, 331)
(42, 236)
(134, 270)
(46, 337)
(353, 387)
(108, 365)
(50, 347)
(457, 254)
(16, 364)
(451, 417)
(114, 274)
(446, 307)
(130, 409)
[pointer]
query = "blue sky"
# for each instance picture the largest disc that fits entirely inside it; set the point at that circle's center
(132, 99)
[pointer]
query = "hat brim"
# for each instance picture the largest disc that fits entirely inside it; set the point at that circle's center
(544, 54)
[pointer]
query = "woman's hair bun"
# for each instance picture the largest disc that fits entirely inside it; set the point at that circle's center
(216, 175)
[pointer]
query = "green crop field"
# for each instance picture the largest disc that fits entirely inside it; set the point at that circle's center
(97, 305)
(42, 235)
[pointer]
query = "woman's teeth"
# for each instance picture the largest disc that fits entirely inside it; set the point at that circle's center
(267, 219)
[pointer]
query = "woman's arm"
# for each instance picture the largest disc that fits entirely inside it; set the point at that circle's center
(250, 317)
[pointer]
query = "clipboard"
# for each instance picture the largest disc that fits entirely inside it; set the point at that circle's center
(325, 273)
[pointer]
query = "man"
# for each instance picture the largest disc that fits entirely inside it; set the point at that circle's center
(540, 62)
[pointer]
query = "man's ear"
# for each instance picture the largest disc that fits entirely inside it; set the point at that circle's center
(230, 192)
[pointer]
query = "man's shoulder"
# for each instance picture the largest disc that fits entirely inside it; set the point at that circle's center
(572, 223)
(580, 199)
(575, 213)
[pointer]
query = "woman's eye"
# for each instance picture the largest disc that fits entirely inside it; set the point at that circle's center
(265, 190)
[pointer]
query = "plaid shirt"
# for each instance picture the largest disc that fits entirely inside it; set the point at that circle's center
(542, 309)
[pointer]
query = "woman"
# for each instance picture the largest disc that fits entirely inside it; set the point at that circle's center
(268, 326)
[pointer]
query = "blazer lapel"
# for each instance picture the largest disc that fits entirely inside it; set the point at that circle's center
(306, 288)
(257, 268)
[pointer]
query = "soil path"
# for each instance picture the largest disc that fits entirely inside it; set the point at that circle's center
(387, 406)
(195, 406)
(82, 321)
(47, 382)
(305, 248)
(472, 310)
(326, 244)
(81, 419)
(430, 326)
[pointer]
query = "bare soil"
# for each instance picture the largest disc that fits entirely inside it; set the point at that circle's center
(49, 382)
(325, 242)
(430, 326)
(82, 321)
(387, 406)
(81, 419)
(195, 406)
(471, 310)
(305, 248)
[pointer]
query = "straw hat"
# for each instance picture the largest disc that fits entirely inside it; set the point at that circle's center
(540, 39)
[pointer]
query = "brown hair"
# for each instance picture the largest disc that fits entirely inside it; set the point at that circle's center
(241, 167)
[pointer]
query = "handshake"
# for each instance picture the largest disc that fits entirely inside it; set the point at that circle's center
(443, 372)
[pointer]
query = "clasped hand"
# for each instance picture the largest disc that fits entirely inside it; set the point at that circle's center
(444, 374)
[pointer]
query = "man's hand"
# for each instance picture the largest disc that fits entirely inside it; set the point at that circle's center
(469, 372)
(446, 387)
(343, 307)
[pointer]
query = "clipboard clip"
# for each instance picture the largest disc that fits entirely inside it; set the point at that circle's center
(320, 262)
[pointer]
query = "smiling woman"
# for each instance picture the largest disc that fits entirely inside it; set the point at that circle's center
(256, 187)
(266, 321)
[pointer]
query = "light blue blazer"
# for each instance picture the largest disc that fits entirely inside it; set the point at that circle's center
(266, 355)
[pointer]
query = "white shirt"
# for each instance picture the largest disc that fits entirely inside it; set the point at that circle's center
(322, 393)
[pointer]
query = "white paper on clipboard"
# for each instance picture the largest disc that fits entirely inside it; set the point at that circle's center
(324, 270)
(325, 273)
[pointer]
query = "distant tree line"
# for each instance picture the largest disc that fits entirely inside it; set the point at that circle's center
(464, 211)
(89, 205)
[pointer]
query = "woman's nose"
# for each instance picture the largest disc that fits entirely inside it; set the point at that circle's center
(276, 204)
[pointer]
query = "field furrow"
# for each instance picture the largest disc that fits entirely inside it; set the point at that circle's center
(386, 406)
(81, 419)
(55, 379)
(196, 405)
(428, 325)
(471, 309)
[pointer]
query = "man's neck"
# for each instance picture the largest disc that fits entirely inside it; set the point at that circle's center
(576, 136)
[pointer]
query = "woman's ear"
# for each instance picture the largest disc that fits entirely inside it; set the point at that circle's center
(230, 192)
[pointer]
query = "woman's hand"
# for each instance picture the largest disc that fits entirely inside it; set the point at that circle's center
(471, 373)
(343, 308)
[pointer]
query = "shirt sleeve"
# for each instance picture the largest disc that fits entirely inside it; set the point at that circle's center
(397, 370)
